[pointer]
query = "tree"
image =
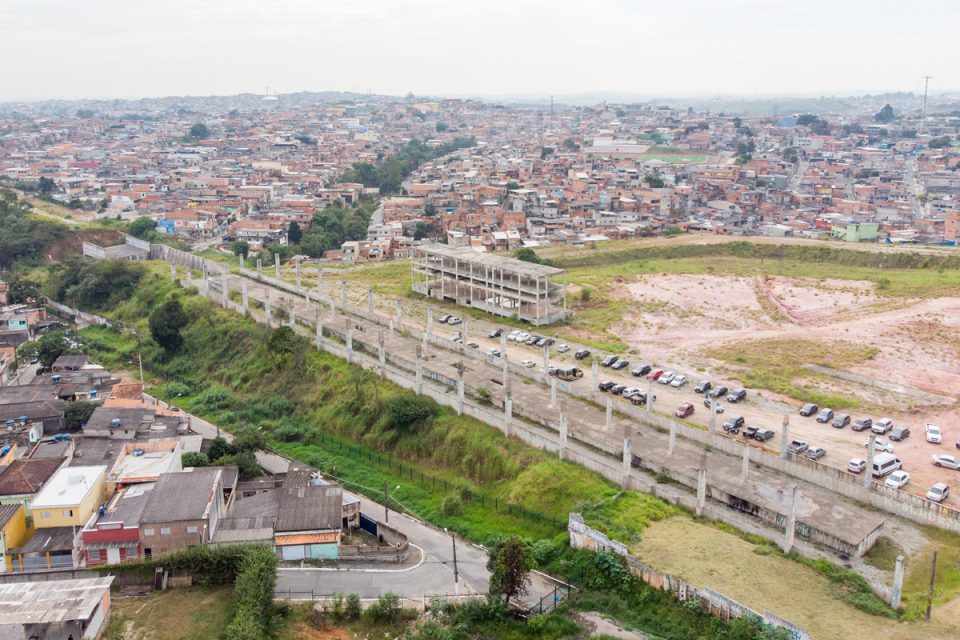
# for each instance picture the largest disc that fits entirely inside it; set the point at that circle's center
(430, 210)
(195, 459)
(241, 248)
(165, 325)
(405, 411)
(282, 343)
(527, 255)
(424, 230)
(569, 144)
(199, 131)
(142, 227)
(219, 448)
(885, 115)
(50, 347)
(23, 291)
(442, 126)
(940, 143)
(76, 414)
(509, 564)
(294, 234)
(45, 185)
(654, 181)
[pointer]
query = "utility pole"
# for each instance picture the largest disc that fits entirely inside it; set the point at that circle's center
(456, 570)
(923, 112)
(933, 580)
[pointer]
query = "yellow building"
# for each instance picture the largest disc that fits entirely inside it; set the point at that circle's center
(70, 497)
(13, 532)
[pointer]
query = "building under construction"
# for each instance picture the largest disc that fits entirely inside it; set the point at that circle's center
(497, 284)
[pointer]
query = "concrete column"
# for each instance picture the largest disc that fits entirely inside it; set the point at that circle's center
(871, 452)
(627, 460)
(298, 272)
(292, 315)
(701, 490)
(245, 296)
(397, 314)
(259, 267)
(503, 344)
(553, 391)
(609, 414)
(712, 425)
(382, 354)
(319, 330)
(745, 464)
(419, 373)
(370, 301)
(173, 271)
(350, 344)
(563, 435)
(595, 370)
(673, 438)
(268, 305)
(429, 320)
(546, 358)
(225, 289)
(897, 590)
(507, 414)
(791, 531)
(785, 437)
(243, 262)
(650, 398)
(343, 294)
(276, 264)
(460, 391)
(506, 372)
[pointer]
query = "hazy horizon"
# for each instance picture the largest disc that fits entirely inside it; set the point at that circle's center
(108, 49)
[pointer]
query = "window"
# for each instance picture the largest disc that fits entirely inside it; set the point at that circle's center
(164, 531)
(191, 529)
(148, 532)
(45, 514)
(68, 513)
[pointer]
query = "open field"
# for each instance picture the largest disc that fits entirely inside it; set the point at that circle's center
(177, 614)
(766, 581)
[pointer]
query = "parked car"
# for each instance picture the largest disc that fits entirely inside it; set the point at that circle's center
(899, 434)
(808, 409)
(494, 353)
(731, 427)
(620, 364)
(540, 342)
(946, 461)
(856, 465)
(862, 424)
(840, 420)
(735, 421)
(684, 410)
(737, 395)
(496, 333)
(666, 378)
(678, 381)
(815, 453)
(606, 385)
(529, 364)
(656, 373)
(608, 361)
(938, 492)
(454, 320)
(897, 480)
(882, 426)
(933, 433)
(719, 392)
(532, 340)
(703, 386)
(880, 445)
(713, 405)
(473, 345)
(641, 371)
(581, 354)
(825, 416)
(750, 432)
(762, 435)
(444, 318)
(617, 389)
(797, 446)
(562, 348)
(548, 341)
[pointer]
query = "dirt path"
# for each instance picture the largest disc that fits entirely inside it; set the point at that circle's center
(730, 565)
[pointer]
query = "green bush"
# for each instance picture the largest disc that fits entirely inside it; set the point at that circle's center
(195, 459)
(352, 611)
(386, 610)
(452, 505)
(253, 591)
(405, 411)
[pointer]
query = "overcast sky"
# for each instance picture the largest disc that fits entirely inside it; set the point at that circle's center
(137, 48)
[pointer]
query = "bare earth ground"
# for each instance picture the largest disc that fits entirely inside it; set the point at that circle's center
(728, 564)
(675, 318)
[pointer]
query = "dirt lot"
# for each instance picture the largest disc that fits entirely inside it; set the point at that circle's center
(730, 565)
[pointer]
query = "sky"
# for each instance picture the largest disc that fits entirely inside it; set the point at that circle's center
(147, 48)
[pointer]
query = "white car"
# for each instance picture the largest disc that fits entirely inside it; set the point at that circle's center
(856, 465)
(563, 348)
(495, 353)
(880, 445)
(666, 378)
(938, 492)
(512, 336)
(898, 479)
(678, 381)
(529, 364)
(946, 461)
(934, 434)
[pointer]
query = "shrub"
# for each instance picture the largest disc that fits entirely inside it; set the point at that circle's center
(405, 411)
(288, 433)
(352, 611)
(386, 610)
(195, 459)
(452, 505)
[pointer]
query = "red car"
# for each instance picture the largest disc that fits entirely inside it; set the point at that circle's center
(684, 410)
(656, 373)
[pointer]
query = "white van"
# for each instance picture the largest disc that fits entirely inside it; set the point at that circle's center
(884, 464)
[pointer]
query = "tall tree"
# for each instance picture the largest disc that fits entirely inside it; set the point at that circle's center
(166, 323)
(509, 564)
(885, 115)
(294, 234)
(199, 131)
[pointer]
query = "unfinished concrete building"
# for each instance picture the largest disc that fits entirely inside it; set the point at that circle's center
(496, 284)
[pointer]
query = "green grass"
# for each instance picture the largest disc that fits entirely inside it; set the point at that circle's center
(200, 614)
(917, 580)
(778, 365)
(883, 554)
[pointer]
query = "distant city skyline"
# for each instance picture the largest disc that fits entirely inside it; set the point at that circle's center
(521, 48)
